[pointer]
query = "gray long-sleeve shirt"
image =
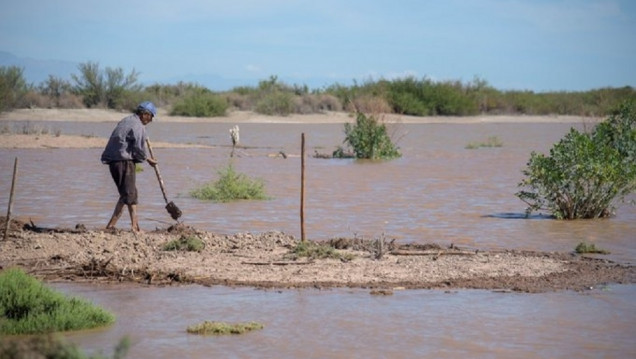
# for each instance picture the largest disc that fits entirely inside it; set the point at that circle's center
(127, 142)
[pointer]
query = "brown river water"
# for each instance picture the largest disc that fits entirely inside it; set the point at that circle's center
(439, 192)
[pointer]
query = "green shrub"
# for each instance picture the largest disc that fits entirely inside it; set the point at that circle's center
(589, 248)
(221, 328)
(185, 243)
(110, 87)
(12, 87)
(585, 173)
(28, 307)
(230, 186)
(276, 103)
(200, 103)
(368, 138)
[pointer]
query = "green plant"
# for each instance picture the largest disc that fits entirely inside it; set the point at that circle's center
(28, 307)
(492, 141)
(200, 102)
(585, 173)
(222, 328)
(109, 88)
(368, 138)
(274, 97)
(185, 243)
(589, 248)
(12, 87)
(230, 186)
(275, 103)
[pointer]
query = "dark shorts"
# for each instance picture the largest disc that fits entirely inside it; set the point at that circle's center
(123, 173)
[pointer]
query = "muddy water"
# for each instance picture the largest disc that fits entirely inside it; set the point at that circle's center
(353, 324)
(437, 192)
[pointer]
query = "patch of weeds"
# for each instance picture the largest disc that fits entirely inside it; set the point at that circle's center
(139, 167)
(589, 248)
(313, 250)
(222, 328)
(231, 186)
(492, 141)
(27, 306)
(185, 243)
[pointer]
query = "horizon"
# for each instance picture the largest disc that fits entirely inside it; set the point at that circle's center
(540, 46)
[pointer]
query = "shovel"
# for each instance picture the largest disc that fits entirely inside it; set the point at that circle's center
(172, 208)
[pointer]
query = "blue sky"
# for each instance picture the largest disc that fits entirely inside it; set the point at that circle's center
(535, 45)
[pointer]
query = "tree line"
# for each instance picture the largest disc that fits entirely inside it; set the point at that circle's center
(112, 88)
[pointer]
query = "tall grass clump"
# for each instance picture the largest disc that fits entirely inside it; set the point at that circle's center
(585, 174)
(29, 307)
(368, 138)
(492, 141)
(222, 328)
(231, 186)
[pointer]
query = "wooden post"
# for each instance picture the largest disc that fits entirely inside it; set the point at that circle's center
(15, 173)
(302, 187)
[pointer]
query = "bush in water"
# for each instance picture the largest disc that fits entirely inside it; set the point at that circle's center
(585, 173)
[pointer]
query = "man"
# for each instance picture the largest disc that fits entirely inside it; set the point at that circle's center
(126, 147)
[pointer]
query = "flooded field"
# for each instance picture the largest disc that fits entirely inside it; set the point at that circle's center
(439, 192)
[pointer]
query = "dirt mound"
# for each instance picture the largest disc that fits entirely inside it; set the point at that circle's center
(262, 260)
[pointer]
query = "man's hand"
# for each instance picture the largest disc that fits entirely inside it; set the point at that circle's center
(152, 161)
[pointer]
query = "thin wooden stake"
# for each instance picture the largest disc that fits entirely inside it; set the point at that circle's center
(15, 174)
(302, 187)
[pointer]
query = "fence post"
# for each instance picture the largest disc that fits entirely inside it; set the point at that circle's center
(302, 187)
(15, 173)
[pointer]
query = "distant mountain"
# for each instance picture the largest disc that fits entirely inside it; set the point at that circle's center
(37, 71)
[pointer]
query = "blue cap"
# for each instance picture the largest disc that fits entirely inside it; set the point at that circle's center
(148, 106)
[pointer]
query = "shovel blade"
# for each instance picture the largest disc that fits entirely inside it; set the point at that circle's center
(174, 211)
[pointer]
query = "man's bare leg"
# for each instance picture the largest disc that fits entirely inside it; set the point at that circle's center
(116, 214)
(132, 209)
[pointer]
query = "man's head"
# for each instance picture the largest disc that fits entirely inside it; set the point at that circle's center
(146, 112)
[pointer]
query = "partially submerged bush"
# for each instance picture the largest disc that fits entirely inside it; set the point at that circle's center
(585, 173)
(368, 139)
(589, 248)
(492, 141)
(29, 307)
(185, 243)
(222, 328)
(231, 186)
